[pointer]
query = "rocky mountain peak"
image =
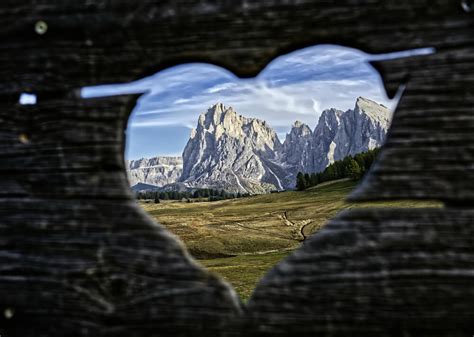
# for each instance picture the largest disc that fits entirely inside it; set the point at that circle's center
(217, 108)
(212, 116)
(300, 128)
(330, 117)
(230, 151)
(299, 134)
(239, 154)
(297, 147)
(156, 171)
(375, 111)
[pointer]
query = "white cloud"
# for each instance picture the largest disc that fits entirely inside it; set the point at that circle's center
(181, 100)
(280, 105)
(293, 87)
(316, 106)
(220, 87)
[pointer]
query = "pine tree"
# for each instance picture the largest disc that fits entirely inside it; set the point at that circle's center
(354, 171)
(329, 173)
(300, 181)
(307, 180)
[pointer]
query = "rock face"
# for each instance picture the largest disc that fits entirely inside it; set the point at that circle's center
(157, 171)
(297, 148)
(231, 152)
(339, 134)
(363, 128)
(228, 151)
(323, 143)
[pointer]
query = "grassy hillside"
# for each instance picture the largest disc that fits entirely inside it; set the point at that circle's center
(244, 271)
(242, 238)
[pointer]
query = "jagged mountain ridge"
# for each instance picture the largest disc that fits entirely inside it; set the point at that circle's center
(238, 154)
(231, 152)
(157, 171)
(342, 133)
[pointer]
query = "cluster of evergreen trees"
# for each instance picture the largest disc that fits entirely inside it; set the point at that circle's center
(353, 167)
(207, 193)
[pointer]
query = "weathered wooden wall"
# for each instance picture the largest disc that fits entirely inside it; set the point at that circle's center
(79, 258)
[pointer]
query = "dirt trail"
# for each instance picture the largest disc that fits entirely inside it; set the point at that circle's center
(299, 227)
(287, 221)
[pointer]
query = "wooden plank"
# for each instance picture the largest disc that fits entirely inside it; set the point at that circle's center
(119, 41)
(100, 268)
(429, 152)
(374, 272)
(80, 258)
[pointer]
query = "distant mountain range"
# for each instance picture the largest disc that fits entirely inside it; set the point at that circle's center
(156, 171)
(238, 154)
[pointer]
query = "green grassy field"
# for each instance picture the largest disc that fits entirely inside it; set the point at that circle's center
(244, 271)
(241, 239)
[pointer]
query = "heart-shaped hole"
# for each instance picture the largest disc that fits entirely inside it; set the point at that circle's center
(245, 170)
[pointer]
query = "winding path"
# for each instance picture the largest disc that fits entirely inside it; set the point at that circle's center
(300, 227)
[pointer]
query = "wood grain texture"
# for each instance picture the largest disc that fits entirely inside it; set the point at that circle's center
(78, 255)
(79, 258)
(93, 42)
(65, 147)
(101, 269)
(375, 272)
(429, 152)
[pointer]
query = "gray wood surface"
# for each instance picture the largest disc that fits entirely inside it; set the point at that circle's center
(374, 272)
(79, 258)
(429, 153)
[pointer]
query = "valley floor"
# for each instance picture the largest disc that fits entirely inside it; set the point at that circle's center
(241, 239)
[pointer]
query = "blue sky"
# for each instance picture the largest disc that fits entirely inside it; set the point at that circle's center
(296, 86)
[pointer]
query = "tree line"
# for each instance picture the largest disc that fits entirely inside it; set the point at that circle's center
(202, 193)
(353, 167)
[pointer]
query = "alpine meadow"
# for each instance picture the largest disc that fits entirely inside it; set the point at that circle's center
(244, 171)
(241, 200)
